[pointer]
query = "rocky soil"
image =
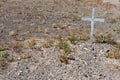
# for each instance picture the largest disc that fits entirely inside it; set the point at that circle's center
(32, 31)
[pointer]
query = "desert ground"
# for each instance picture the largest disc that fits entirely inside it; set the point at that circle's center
(47, 40)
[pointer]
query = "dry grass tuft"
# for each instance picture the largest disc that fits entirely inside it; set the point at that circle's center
(112, 21)
(64, 58)
(3, 48)
(73, 38)
(117, 29)
(3, 63)
(39, 30)
(17, 47)
(30, 42)
(58, 25)
(115, 54)
(84, 37)
(47, 43)
(64, 46)
(25, 56)
(103, 38)
(4, 55)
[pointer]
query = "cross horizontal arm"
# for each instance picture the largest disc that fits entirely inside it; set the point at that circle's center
(99, 20)
(86, 19)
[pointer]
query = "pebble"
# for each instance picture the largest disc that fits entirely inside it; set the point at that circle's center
(19, 73)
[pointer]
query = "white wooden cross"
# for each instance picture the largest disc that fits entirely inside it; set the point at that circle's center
(93, 19)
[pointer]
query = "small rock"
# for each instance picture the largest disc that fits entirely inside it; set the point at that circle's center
(118, 41)
(46, 31)
(19, 73)
(54, 25)
(11, 33)
(71, 58)
(32, 68)
(43, 22)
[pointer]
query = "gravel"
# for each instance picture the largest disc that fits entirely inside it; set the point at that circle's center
(87, 61)
(89, 64)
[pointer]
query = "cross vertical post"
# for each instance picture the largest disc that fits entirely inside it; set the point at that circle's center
(92, 24)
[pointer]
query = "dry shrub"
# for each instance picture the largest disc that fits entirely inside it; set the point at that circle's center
(103, 38)
(17, 47)
(64, 58)
(30, 42)
(115, 54)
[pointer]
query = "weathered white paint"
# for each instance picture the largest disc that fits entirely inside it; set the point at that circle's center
(93, 19)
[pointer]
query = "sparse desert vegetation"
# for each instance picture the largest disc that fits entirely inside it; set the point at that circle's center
(115, 54)
(47, 40)
(64, 46)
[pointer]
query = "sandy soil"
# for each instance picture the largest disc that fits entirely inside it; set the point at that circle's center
(30, 31)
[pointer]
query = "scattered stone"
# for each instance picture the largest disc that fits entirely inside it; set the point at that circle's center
(43, 22)
(11, 33)
(46, 31)
(43, 63)
(19, 73)
(54, 25)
